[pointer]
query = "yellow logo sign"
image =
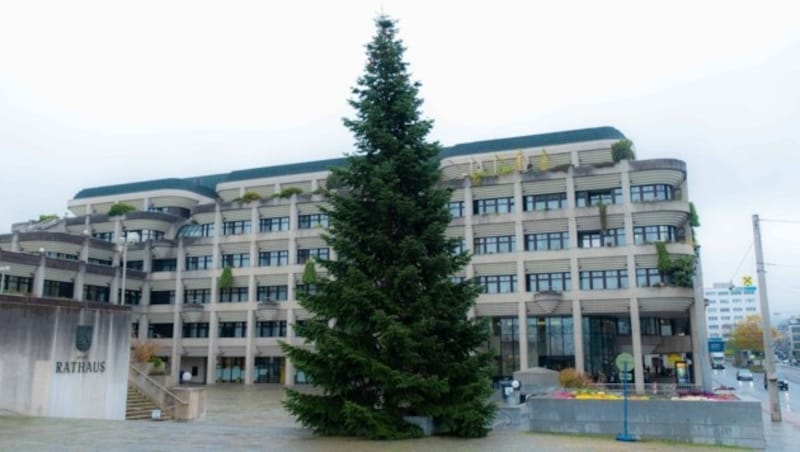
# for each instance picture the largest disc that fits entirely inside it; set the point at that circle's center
(747, 281)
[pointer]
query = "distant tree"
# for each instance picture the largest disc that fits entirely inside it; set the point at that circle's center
(47, 217)
(120, 209)
(747, 335)
(390, 328)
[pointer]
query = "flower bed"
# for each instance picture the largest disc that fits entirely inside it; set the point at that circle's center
(593, 394)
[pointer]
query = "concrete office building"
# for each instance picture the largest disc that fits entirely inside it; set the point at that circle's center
(727, 306)
(562, 238)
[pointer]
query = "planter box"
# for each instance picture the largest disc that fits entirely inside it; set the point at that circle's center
(727, 423)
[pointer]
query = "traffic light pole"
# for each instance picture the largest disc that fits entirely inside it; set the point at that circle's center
(766, 330)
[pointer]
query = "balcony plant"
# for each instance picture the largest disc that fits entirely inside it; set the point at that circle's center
(120, 208)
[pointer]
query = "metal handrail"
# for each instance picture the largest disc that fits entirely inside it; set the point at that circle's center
(158, 385)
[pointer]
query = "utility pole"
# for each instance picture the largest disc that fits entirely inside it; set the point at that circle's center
(766, 330)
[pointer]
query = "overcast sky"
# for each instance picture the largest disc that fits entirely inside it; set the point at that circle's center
(99, 93)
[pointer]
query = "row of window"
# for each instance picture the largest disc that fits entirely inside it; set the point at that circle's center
(137, 235)
(225, 329)
(552, 241)
(562, 281)
(240, 227)
(242, 260)
(553, 201)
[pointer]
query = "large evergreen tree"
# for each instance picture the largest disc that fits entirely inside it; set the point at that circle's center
(390, 329)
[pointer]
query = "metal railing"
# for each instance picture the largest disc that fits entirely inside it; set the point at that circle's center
(165, 399)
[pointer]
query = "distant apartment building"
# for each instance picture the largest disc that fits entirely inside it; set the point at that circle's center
(727, 306)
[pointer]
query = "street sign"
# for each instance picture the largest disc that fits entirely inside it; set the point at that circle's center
(624, 361)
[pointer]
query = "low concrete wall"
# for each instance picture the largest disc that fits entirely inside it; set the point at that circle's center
(50, 367)
(729, 423)
(195, 407)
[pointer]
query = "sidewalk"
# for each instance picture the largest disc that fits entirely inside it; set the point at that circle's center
(252, 418)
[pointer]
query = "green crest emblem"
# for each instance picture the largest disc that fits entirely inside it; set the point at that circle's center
(83, 337)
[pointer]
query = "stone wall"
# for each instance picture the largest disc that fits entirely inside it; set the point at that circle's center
(42, 371)
(729, 423)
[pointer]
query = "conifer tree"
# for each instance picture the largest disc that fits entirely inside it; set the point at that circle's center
(389, 327)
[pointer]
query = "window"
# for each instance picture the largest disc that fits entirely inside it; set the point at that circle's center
(104, 236)
(199, 329)
(274, 224)
(652, 234)
(497, 283)
(312, 221)
(547, 241)
(273, 258)
(16, 284)
(96, 293)
(456, 208)
(306, 289)
(649, 277)
(712, 309)
(162, 297)
(604, 279)
(271, 329)
(654, 192)
(595, 197)
(159, 330)
(303, 255)
(493, 205)
(165, 265)
(135, 265)
(712, 318)
(233, 295)
(460, 246)
(549, 201)
(272, 293)
(64, 256)
(492, 245)
(132, 297)
(542, 282)
(197, 230)
(596, 239)
(58, 289)
(232, 329)
(199, 262)
(197, 296)
(94, 260)
(238, 227)
(142, 235)
(239, 260)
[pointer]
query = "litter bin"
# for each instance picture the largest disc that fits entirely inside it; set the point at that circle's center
(506, 390)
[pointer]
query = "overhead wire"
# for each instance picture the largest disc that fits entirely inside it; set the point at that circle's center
(746, 253)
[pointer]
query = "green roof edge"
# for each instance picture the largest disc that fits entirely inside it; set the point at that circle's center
(206, 185)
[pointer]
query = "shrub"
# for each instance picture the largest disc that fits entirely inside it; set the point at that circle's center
(144, 351)
(622, 150)
(287, 193)
(571, 378)
(120, 209)
(248, 196)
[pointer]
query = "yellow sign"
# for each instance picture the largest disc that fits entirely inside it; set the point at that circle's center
(747, 281)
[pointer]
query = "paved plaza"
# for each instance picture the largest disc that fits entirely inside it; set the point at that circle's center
(252, 418)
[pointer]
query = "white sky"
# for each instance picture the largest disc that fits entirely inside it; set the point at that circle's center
(106, 92)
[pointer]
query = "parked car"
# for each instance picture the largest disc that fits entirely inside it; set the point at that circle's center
(744, 375)
(783, 383)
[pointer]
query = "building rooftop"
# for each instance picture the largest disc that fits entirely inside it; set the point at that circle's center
(206, 185)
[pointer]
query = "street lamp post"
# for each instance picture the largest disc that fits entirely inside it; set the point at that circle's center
(123, 248)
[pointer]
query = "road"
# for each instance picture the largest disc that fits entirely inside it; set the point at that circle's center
(790, 400)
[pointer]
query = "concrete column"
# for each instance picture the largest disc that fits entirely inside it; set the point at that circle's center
(15, 242)
(77, 291)
(522, 318)
(288, 378)
(636, 340)
(211, 364)
(293, 228)
(250, 347)
(571, 192)
(627, 207)
(39, 276)
(144, 323)
(469, 270)
(697, 318)
(577, 331)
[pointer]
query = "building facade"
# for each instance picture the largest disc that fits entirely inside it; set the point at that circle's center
(562, 238)
(727, 306)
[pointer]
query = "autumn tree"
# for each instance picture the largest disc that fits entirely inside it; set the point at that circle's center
(389, 326)
(747, 335)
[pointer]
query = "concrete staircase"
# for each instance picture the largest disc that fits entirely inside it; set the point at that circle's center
(140, 408)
